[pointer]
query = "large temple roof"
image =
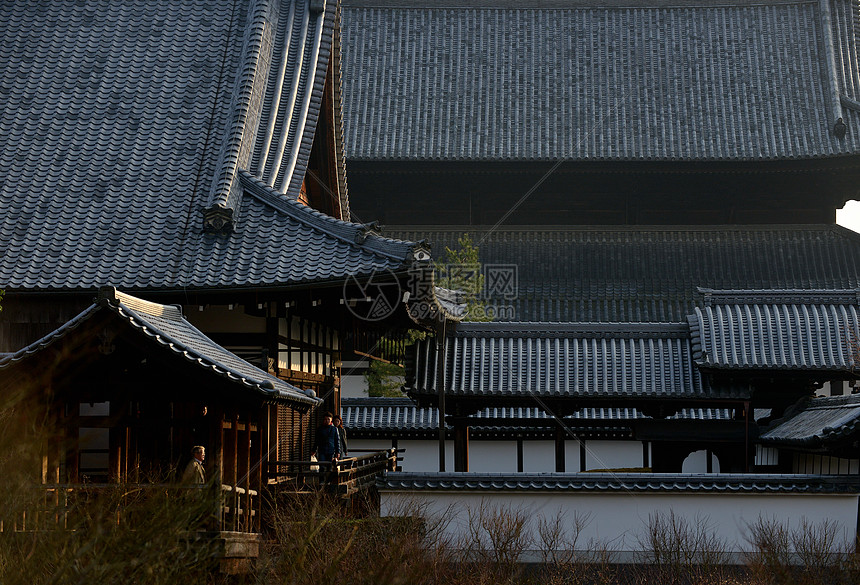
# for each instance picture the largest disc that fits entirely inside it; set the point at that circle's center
(163, 145)
(628, 80)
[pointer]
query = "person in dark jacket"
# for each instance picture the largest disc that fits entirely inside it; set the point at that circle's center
(338, 423)
(327, 445)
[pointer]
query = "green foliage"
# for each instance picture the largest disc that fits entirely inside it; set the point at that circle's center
(2, 294)
(384, 379)
(461, 270)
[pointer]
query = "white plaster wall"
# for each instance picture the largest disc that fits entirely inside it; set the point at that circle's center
(571, 457)
(612, 454)
(697, 462)
(419, 455)
(540, 455)
(492, 456)
(615, 522)
(353, 386)
(423, 455)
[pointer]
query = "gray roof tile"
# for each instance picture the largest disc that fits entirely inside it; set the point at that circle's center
(567, 360)
(164, 325)
(362, 415)
(120, 122)
(777, 330)
(619, 482)
(815, 422)
(589, 81)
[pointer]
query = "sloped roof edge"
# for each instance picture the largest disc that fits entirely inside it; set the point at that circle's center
(839, 418)
(136, 311)
(620, 482)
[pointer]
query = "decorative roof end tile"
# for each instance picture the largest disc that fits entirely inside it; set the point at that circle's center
(218, 220)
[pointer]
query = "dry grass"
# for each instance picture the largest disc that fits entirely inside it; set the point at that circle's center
(145, 534)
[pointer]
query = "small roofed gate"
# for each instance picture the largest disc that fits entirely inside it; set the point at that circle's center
(122, 393)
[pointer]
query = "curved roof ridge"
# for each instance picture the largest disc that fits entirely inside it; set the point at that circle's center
(357, 235)
(143, 315)
(289, 115)
(222, 194)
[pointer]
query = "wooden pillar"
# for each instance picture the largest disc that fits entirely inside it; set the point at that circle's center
(215, 456)
(115, 440)
(440, 388)
(461, 445)
(746, 436)
(559, 449)
(272, 343)
(245, 478)
(262, 459)
(520, 457)
(582, 455)
(234, 460)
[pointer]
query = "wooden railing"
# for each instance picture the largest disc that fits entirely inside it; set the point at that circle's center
(344, 476)
(238, 509)
(60, 506)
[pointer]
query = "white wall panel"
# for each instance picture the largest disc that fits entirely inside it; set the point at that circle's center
(617, 521)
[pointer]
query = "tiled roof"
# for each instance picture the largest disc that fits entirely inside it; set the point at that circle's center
(815, 422)
(619, 482)
(586, 80)
(398, 414)
(782, 329)
(120, 122)
(644, 273)
(566, 360)
(164, 325)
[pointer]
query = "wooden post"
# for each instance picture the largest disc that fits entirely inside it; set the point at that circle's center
(559, 449)
(440, 387)
(215, 457)
(234, 456)
(246, 451)
(582, 454)
(461, 445)
(746, 436)
(520, 455)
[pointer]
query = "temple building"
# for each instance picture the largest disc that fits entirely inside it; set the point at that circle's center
(652, 192)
